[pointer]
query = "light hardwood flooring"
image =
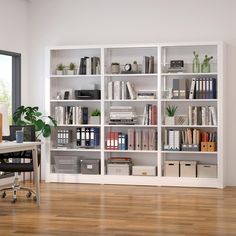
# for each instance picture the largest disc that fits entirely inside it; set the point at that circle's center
(79, 209)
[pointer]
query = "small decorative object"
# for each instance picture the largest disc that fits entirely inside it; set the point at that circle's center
(71, 70)
(176, 66)
(196, 63)
(181, 120)
(167, 94)
(60, 69)
(95, 117)
(135, 67)
(127, 67)
(170, 118)
(58, 97)
(205, 67)
(115, 68)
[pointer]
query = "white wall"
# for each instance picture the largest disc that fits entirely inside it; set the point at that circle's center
(14, 34)
(65, 22)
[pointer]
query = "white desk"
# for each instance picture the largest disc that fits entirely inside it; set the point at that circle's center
(6, 147)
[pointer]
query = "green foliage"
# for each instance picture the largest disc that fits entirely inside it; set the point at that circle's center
(60, 67)
(195, 55)
(96, 113)
(135, 62)
(31, 116)
(115, 64)
(207, 59)
(72, 66)
(170, 110)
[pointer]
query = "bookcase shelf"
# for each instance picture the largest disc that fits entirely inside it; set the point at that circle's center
(159, 82)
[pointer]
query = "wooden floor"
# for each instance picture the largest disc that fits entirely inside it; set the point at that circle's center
(78, 209)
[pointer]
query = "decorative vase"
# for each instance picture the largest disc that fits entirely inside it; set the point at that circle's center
(169, 120)
(70, 72)
(205, 67)
(115, 69)
(196, 65)
(94, 120)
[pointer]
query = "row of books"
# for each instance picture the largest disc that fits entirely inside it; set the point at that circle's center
(136, 139)
(148, 65)
(120, 90)
(202, 115)
(179, 139)
(150, 115)
(88, 137)
(89, 66)
(74, 115)
(199, 88)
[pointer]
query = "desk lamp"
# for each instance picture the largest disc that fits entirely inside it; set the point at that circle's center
(4, 122)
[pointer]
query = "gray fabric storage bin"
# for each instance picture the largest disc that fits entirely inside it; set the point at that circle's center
(66, 164)
(90, 166)
(119, 169)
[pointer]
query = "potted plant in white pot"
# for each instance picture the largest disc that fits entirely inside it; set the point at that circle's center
(60, 69)
(71, 69)
(95, 117)
(135, 67)
(170, 115)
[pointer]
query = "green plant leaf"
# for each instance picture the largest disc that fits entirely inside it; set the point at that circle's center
(54, 122)
(46, 131)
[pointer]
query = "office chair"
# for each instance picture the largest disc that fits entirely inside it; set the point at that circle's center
(11, 162)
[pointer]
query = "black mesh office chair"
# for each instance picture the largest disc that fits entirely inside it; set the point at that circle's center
(12, 162)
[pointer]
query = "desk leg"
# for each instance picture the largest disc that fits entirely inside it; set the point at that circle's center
(36, 174)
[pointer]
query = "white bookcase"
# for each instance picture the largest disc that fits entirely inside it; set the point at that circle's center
(159, 80)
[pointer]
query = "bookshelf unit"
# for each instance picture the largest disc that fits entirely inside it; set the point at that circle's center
(158, 81)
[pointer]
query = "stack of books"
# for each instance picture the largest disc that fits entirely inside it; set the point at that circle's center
(89, 66)
(148, 65)
(150, 115)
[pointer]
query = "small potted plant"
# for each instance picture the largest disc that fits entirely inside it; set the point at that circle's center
(135, 67)
(95, 117)
(170, 118)
(60, 68)
(115, 68)
(71, 69)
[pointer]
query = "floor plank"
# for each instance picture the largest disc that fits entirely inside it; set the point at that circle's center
(79, 209)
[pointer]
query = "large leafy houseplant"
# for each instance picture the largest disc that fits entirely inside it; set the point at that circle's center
(32, 116)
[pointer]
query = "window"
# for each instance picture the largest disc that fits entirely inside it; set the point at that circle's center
(10, 83)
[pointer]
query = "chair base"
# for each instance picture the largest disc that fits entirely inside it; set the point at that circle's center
(17, 187)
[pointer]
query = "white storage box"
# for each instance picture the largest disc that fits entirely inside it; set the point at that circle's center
(206, 171)
(171, 168)
(144, 170)
(119, 169)
(188, 169)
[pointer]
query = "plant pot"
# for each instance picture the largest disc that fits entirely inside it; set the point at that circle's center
(70, 72)
(94, 120)
(115, 69)
(135, 68)
(169, 120)
(59, 72)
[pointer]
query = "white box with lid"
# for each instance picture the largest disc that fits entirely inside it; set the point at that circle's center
(144, 170)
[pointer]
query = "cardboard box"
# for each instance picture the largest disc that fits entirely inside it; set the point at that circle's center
(171, 168)
(188, 169)
(206, 171)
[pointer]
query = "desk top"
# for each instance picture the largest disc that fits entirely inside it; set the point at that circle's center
(14, 146)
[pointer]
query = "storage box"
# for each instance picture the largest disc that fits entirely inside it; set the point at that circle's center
(204, 146)
(66, 164)
(188, 168)
(211, 146)
(171, 168)
(90, 166)
(119, 169)
(206, 171)
(144, 170)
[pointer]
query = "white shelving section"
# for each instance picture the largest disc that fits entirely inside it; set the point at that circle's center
(158, 81)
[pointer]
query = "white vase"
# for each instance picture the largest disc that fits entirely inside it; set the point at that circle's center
(169, 120)
(94, 120)
(115, 69)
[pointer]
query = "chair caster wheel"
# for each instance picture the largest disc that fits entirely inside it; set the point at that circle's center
(35, 198)
(28, 195)
(4, 195)
(13, 200)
